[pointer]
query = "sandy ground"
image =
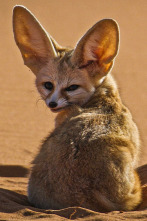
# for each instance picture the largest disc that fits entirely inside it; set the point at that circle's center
(25, 120)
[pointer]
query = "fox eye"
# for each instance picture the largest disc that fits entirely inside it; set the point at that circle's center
(48, 85)
(72, 87)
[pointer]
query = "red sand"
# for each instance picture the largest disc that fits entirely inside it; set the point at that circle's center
(25, 120)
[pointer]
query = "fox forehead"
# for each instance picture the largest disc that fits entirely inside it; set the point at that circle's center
(61, 72)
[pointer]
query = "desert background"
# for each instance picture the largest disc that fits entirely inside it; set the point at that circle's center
(25, 120)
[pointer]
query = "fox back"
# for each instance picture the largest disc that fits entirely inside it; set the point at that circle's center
(89, 159)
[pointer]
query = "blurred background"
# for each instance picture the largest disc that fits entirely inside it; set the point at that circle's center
(24, 119)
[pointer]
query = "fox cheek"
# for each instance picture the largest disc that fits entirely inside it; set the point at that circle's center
(43, 93)
(65, 95)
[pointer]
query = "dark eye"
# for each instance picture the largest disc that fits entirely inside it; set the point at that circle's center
(48, 85)
(72, 87)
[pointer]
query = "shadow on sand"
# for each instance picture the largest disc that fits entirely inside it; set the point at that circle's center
(13, 171)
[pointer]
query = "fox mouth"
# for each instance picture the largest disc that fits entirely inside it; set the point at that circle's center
(56, 110)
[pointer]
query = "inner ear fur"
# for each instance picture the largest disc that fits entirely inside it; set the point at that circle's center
(33, 41)
(100, 44)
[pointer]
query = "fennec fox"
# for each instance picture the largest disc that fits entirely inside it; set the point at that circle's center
(89, 158)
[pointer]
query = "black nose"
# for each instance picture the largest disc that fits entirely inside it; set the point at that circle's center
(52, 104)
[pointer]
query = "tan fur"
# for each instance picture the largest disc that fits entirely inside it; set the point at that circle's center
(89, 159)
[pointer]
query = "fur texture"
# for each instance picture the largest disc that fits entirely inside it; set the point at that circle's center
(89, 158)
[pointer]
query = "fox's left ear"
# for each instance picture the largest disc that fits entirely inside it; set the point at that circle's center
(100, 45)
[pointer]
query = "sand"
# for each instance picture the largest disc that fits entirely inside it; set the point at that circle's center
(24, 118)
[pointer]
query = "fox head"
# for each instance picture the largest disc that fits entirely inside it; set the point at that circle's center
(63, 76)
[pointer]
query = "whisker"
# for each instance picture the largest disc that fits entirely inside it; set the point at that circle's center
(38, 100)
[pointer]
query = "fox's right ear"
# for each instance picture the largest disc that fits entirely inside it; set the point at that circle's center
(35, 45)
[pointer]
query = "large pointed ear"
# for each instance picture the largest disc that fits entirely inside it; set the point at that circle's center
(35, 45)
(99, 45)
